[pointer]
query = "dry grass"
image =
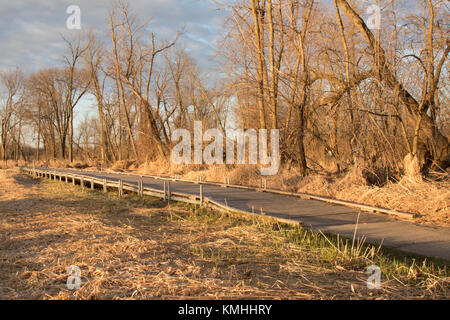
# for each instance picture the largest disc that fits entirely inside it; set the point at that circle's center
(429, 199)
(135, 249)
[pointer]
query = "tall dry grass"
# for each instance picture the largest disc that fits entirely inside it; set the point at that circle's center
(430, 199)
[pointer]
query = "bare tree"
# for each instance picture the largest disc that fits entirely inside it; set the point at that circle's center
(13, 82)
(77, 81)
(93, 58)
(134, 65)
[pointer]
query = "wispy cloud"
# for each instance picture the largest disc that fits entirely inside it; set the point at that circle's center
(31, 31)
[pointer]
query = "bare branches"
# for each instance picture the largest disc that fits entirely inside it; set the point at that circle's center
(13, 82)
(340, 93)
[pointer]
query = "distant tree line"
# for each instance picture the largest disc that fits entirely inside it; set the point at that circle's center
(340, 93)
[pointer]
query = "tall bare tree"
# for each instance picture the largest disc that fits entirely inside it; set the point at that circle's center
(13, 82)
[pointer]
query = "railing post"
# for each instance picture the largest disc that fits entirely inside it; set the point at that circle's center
(92, 184)
(73, 180)
(141, 188)
(120, 188)
(168, 191)
(165, 191)
(105, 186)
(82, 183)
(201, 194)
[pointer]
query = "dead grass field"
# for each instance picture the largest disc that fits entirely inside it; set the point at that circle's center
(146, 249)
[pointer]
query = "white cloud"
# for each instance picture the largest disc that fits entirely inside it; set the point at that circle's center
(31, 31)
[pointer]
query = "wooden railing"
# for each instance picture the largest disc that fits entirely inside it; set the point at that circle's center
(85, 181)
(200, 199)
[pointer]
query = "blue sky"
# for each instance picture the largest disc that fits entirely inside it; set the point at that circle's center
(31, 30)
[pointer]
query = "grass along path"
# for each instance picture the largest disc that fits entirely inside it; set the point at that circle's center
(146, 249)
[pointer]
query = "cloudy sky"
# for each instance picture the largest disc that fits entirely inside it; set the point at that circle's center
(31, 30)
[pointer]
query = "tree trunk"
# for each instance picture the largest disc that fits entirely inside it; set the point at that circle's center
(258, 21)
(415, 109)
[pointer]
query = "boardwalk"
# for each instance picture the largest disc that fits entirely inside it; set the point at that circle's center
(431, 241)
